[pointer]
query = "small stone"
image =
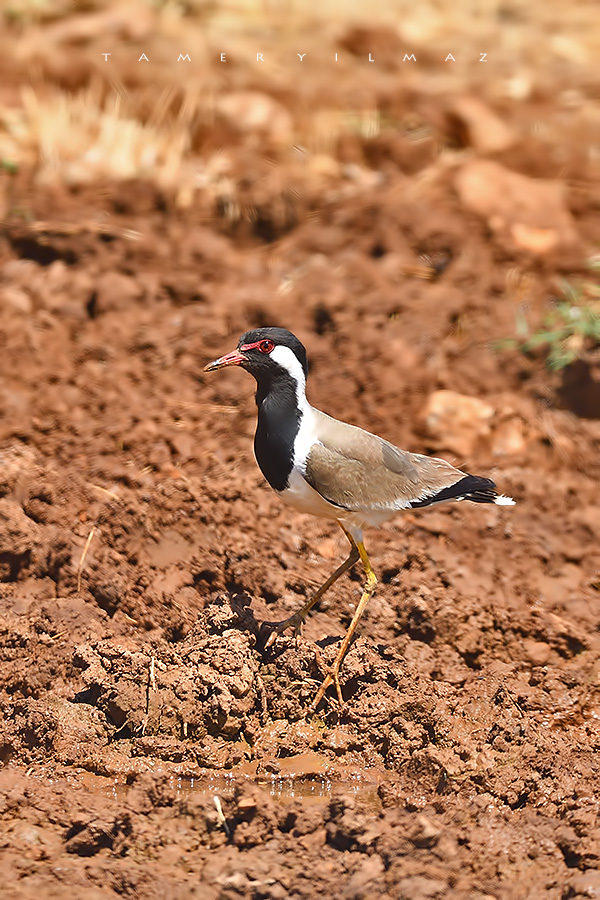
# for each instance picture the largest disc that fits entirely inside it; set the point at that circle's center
(537, 652)
(457, 421)
(524, 213)
(16, 300)
(482, 128)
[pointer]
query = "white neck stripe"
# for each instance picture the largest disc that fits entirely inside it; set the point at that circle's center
(288, 360)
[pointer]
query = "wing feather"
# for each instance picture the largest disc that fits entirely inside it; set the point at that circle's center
(359, 471)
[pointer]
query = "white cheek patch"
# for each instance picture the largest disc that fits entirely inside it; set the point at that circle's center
(288, 360)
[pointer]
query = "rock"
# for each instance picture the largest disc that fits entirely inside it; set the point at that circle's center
(537, 652)
(478, 126)
(12, 298)
(524, 213)
(457, 422)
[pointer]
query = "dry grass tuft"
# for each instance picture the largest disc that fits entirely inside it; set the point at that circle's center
(75, 138)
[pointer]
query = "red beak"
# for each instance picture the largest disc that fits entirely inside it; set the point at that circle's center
(232, 359)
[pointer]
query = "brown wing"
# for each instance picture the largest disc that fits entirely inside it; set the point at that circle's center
(359, 471)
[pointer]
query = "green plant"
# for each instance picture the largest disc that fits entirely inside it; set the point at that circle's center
(6, 165)
(569, 330)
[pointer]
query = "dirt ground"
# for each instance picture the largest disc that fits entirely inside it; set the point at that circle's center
(150, 746)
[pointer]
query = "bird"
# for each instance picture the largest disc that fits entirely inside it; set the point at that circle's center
(331, 469)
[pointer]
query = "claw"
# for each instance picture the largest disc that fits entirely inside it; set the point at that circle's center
(331, 677)
(278, 628)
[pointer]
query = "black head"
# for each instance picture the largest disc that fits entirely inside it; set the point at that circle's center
(259, 352)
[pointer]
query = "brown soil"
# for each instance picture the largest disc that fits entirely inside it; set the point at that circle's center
(140, 550)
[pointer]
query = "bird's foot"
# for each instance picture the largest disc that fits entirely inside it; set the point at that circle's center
(331, 677)
(277, 628)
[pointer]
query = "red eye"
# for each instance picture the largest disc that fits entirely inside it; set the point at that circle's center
(266, 346)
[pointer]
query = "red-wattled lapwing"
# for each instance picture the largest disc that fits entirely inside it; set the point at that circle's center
(327, 468)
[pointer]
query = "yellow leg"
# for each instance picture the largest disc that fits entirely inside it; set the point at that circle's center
(332, 676)
(298, 617)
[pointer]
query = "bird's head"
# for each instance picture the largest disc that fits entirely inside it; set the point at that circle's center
(267, 353)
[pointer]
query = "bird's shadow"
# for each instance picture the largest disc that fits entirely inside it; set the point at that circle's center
(262, 630)
(245, 618)
(247, 621)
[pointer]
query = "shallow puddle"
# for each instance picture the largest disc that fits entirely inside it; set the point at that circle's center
(311, 790)
(284, 789)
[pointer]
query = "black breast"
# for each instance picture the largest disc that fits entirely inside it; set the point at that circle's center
(278, 424)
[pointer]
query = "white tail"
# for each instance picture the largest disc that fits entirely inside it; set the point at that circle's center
(501, 500)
